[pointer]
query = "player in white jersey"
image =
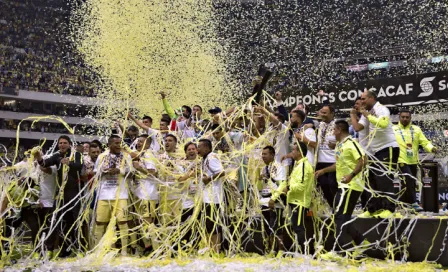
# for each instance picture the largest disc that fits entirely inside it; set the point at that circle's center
(145, 188)
(47, 185)
(278, 135)
(303, 133)
(113, 168)
(326, 142)
(190, 187)
(169, 170)
(271, 176)
(157, 136)
(213, 194)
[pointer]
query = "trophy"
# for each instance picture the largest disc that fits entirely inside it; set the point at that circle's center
(266, 74)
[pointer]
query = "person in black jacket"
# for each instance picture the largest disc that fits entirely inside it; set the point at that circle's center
(69, 165)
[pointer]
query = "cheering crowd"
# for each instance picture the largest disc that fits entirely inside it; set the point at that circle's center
(198, 185)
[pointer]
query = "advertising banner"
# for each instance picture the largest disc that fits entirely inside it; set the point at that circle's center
(407, 90)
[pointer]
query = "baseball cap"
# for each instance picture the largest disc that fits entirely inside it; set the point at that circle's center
(215, 110)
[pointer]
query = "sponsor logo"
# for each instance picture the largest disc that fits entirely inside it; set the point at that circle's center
(426, 86)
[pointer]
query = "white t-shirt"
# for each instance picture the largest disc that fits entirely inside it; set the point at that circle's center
(48, 187)
(380, 138)
(113, 187)
(146, 188)
(213, 191)
(325, 153)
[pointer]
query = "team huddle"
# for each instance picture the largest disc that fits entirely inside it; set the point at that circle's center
(197, 185)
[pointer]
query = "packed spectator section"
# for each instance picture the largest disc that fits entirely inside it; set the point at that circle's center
(33, 54)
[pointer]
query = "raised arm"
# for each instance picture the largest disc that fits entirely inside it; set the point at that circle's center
(271, 116)
(166, 105)
(381, 121)
(53, 160)
(309, 141)
(138, 122)
(357, 126)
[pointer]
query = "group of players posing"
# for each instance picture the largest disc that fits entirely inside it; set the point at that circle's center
(151, 188)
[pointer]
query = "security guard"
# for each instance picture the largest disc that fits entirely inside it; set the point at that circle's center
(409, 137)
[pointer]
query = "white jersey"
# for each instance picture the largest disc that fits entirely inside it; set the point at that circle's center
(212, 192)
(363, 138)
(170, 170)
(27, 169)
(146, 188)
(156, 139)
(113, 187)
(280, 140)
(230, 142)
(380, 138)
(310, 134)
(325, 153)
(88, 165)
(271, 176)
(48, 187)
(186, 129)
(190, 187)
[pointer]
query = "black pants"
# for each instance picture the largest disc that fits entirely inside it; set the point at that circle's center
(365, 197)
(381, 180)
(298, 223)
(39, 220)
(408, 180)
(273, 220)
(327, 183)
(70, 234)
(344, 206)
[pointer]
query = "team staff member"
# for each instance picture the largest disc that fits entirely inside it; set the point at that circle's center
(301, 186)
(272, 175)
(325, 154)
(69, 165)
(113, 167)
(350, 162)
(409, 137)
(385, 148)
